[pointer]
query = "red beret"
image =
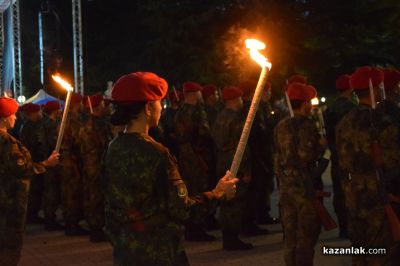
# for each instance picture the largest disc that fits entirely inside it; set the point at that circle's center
(172, 96)
(248, 86)
(76, 98)
(30, 108)
(360, 78)
(8, 106)
(52, 106)
(392, 79)
(95, 100)
(208, 90)
(301, 92)
(139, 86)
(190, 86)
(230, 93)
(343, 83)
(297, 78)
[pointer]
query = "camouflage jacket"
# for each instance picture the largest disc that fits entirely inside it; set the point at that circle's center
(354, 136)
(94, 136)
(332, 116)
(226, 132)
(145, 193)
(15, 166)
(48, 135)
(29, 136)
(297, 148)
(70, 146)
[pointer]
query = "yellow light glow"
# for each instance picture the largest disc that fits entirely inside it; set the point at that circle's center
(314, 101)
(255, 45)
(63, 83)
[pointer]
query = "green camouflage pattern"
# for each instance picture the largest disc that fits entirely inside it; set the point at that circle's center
(15, 170)
(367, 222)
(146, 202)
(301, 225)
(94, 138)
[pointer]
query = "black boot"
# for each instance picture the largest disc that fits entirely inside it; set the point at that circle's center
(199, 235)
(75, 230)
(34, 219)
(231, 241)
(50, 224)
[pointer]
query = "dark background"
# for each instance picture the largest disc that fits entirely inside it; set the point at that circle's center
(203, 40)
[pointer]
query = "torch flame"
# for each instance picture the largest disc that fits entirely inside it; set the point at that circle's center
(62, 82)
(255, 45)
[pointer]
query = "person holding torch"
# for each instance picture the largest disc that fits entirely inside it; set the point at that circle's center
(147, 201)
(16, 168)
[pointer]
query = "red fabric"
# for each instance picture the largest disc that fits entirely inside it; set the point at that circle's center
(248, 86)
(172, 96)
(190, 86)
(208, 90)
(360, 78)
(392, 79)
(51, 106)
(301, 92)
(230, 93)
(8, 106)
(343, 83)
(139, 86)
(297, 78)
(95, 100)
(30, 108)
(76, 99)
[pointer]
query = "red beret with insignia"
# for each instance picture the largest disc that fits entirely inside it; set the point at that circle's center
(301, 92)
(51, 106)
(190, 86)
(8, 106)
(392, 79)
(230, 93)
(343, 83)
(139, 86)
(360, 78)
(208, 90)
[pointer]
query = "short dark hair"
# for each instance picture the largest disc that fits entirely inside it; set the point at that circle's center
(296, 104)
(124, 112)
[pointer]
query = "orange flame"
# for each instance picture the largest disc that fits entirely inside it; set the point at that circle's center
(254, 46)
(62, 82)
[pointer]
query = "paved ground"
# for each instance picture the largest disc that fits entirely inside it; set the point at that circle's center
(54, 249)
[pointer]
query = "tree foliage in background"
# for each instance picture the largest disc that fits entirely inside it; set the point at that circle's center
(203, 40)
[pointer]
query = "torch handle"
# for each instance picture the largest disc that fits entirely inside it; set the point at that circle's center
(90, 105)
(237, 159)
(63, 122)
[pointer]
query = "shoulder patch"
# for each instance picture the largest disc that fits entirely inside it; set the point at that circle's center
(182, 191)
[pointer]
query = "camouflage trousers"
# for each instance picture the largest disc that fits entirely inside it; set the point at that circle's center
(367, 222)
(35, 195)
(148, 248)
(51, 192)
(71, 187)
(338, 184)
(301, 228)
(12, 225)
(93, 197)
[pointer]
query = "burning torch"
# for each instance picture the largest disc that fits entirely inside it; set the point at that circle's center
(69, 89)
(254, 46)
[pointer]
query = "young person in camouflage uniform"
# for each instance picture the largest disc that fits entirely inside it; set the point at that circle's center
(146, 200)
